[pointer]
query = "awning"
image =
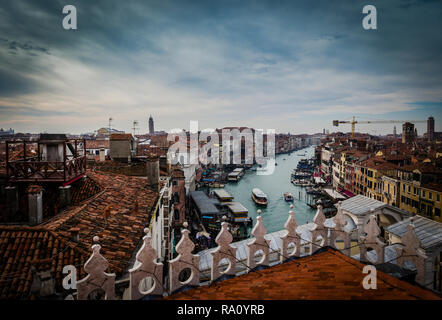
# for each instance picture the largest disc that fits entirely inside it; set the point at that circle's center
(334, 194)
(348, 193)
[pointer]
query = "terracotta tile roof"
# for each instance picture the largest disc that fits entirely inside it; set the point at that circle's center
(23, 247)
(432, 186)
(97, 144)
(128, 205)
(378, 164)
(425, 167)
(326, 275)
(121, 136)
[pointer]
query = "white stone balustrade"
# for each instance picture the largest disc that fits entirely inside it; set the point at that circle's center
(97, 281)
(371, 240)
(183, 262)
(409, 251)
(147, 272)
(339, 232)
(186, 264)
(259, 243)
(223, 251)
(291, 236)
(319, 231)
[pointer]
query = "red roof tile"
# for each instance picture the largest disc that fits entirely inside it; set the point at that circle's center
(24, 247)
(129, 206)
(326, 275)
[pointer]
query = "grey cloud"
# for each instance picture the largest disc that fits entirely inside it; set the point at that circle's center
(7, 112)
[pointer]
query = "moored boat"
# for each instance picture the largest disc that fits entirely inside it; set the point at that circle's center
(288, 197)
(259, 197)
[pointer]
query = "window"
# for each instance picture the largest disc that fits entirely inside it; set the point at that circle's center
(415, 191)
(423, 193)
(409, 189)
(403, 188)
(437, 212)
(430, 195)
(438, 197)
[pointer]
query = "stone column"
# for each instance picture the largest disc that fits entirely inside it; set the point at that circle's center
(65, 196)
(12, 200)
(35, 204)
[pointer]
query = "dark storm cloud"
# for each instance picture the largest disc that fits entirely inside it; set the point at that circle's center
(12, 83)
(303, 55)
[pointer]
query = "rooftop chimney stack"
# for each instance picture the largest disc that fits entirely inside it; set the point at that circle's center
(75, 234)
(153, 172)
(35, 204)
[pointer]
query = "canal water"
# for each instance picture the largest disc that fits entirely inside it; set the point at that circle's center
(274, 186)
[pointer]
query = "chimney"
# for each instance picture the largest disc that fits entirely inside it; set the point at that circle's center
(43, 284)
(153, 172)
(12, 200)
(75, 234)
(102, 155)
(35, 204)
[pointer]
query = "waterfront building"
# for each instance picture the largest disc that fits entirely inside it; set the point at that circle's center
(371, 171)
(391, 190)
(421, 190)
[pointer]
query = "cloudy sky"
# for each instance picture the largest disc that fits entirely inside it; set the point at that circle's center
(289, 65)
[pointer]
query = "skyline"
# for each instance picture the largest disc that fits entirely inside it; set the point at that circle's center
(290, 66)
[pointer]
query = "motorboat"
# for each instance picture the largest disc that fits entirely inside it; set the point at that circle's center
(259, 197)
(288, 197)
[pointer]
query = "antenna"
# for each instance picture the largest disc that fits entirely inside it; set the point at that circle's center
(135, 126)
(110, 123)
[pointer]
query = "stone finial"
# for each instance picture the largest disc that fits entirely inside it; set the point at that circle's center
(339, 232)
(319, 230)
(371, 240)
(291, 236)
(409, 251)
(223, 251)
(258, 243)
(97, 278)
(184, 260)
(146, 271)
(319, 218)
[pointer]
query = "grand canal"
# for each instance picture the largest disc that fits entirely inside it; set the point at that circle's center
(274, 185)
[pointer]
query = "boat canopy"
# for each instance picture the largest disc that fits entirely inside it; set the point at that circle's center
(222, 195)
(237, 207)
(205, 205)
(257, 192)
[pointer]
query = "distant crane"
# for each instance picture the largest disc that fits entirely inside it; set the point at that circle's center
(353, 123)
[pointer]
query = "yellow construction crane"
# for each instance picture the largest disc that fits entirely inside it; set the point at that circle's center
(353, 123)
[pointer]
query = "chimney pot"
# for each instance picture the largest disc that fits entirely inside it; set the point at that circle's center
(75, 234)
